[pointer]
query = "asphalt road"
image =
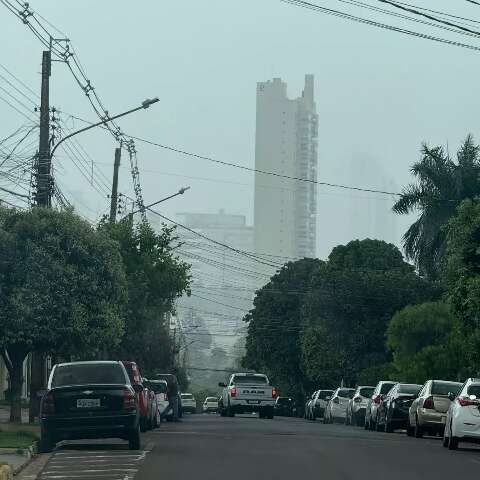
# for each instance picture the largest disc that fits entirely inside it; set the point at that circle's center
(207, 447)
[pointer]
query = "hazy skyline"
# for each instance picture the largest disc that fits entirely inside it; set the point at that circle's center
(379, 94)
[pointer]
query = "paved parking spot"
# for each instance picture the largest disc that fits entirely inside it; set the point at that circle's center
(93, 461)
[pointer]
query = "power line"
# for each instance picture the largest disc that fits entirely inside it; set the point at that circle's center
(354, 18)
(219, 303)
(430, 17)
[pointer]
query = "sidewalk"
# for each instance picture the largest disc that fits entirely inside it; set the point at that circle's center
(16, 440)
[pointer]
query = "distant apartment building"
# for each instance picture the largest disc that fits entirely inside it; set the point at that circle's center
(286, 143)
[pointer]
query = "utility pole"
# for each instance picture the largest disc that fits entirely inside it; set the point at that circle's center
(43, 199)
(44, 161)
(114, 197)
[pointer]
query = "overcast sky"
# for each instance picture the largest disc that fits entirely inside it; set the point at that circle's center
(379, 95)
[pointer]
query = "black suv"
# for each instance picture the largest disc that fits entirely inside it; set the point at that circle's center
(89, 400)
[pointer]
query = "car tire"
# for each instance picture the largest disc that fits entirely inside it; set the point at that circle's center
(366, 425)
(230, 412)
(445, 440)
(143, 425)
(388, 426)
(453, 443)
(134, 439)
(418, 431)
(46, 443)
(223, 413)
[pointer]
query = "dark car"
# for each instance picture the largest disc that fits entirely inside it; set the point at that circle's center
(393, 409)
(284, 407)
(89, 400)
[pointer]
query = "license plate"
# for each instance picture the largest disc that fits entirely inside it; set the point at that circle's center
(88, 402)
(253, 401)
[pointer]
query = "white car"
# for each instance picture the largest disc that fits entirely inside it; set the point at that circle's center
(357, 406)
(210, 405)
(189, 404)
(336, 409)
(463, 416)
(159, 387)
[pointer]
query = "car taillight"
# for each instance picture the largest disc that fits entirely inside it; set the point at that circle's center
(233, 391)
(48, 404)
(274, 392)
(428, 403)
(357, 399)
(467, 401)
(376, 399)
(129, 402)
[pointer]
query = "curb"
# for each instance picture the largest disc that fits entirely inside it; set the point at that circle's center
(29, 453)
(6, 472)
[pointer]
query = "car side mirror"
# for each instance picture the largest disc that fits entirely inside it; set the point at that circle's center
(222, 384)
(138, 387)
(451, 396)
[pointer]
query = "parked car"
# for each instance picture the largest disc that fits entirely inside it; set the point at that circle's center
(428, 412)
(143, 395)
(189, 404)
(357, 405)
(463, 416)
(318, 404)
(336, 408)
(89, 400)
(285, 407)
(210, 405)
(247, 393)
(153, 414)
(393, 409)
(159, 388)
(371, 411)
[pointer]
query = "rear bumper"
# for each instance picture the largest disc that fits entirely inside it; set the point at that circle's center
(65, 428)
(431, 420)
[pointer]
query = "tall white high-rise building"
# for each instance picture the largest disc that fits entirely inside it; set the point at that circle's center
(286, 143)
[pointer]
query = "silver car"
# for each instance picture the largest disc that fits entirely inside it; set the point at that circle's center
(337, 406)
(428, 412)
(316, 407)
(371, 412)
(357, 405)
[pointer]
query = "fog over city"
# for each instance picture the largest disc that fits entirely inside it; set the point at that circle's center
(379, 94)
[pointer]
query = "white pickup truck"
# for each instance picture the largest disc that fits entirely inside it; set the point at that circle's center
(248, 393)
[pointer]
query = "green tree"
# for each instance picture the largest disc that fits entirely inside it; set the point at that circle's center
(425, 341)
(156, 277)
(273, 344)
(463, 277)
(352, 299)
(62, 287)
(442, 184)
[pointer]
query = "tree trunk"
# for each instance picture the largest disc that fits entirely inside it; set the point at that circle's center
(37, 383)
(14, 362)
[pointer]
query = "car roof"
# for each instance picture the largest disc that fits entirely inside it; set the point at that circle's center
(89, 362)
(365, 386)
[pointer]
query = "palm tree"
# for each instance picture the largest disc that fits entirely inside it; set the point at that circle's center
(441, 185)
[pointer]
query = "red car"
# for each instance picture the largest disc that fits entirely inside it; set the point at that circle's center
(143, 396)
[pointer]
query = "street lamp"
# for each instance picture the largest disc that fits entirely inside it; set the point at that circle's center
(145, 104)
(180, 192)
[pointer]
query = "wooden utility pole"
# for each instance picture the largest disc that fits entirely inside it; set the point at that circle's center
(43, 198)
(114, 196)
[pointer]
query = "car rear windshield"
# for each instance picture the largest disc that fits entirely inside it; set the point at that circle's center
(187, 396)
(366, 391)
(211, 399)
(245, 379)
(159, 387)
(409, 389)
(324, 394)
(87, 374)
(474, 390)
(346, 393)
(386, 387)
(444, 388)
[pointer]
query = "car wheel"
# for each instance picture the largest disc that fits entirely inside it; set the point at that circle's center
(46, 443)
(418, 432)
(388, 426)
(134, 439)
(143, 424)
(452, 442)
(445, 439)
(223, 413)
(230, 412)
(366, 425)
